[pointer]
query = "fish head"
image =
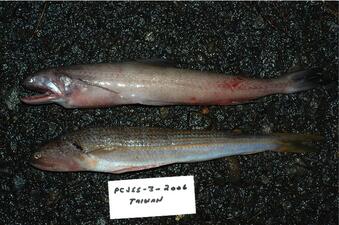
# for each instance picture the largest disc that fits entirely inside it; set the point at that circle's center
(59, 155)
(53, 87)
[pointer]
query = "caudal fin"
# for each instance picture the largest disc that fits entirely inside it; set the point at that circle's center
(297, 142)
(302, 80)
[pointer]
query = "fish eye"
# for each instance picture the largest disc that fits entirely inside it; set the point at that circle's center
(37, 155)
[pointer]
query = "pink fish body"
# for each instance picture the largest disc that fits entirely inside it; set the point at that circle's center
(103, 85)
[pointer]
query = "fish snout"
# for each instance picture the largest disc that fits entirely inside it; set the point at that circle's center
(48, 87)
(37, 82)
(29, 81)
(60, 163)
(39, 162)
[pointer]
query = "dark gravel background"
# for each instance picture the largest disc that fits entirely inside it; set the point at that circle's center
(259, 39)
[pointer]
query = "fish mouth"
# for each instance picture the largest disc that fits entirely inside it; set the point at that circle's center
(49, 91)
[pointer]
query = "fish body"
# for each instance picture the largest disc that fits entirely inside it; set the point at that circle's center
(119, 150)
(103, 85)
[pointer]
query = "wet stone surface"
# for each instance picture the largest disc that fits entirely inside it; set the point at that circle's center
(261, 40)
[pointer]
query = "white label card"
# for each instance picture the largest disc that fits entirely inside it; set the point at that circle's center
(163, 196)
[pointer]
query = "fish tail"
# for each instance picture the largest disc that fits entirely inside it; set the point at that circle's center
(297, 143)
(302, 80)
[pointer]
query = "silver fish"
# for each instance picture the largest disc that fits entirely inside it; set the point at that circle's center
(119, 150)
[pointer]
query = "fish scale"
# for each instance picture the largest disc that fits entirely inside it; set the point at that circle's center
(141, 137)
(119, 150)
